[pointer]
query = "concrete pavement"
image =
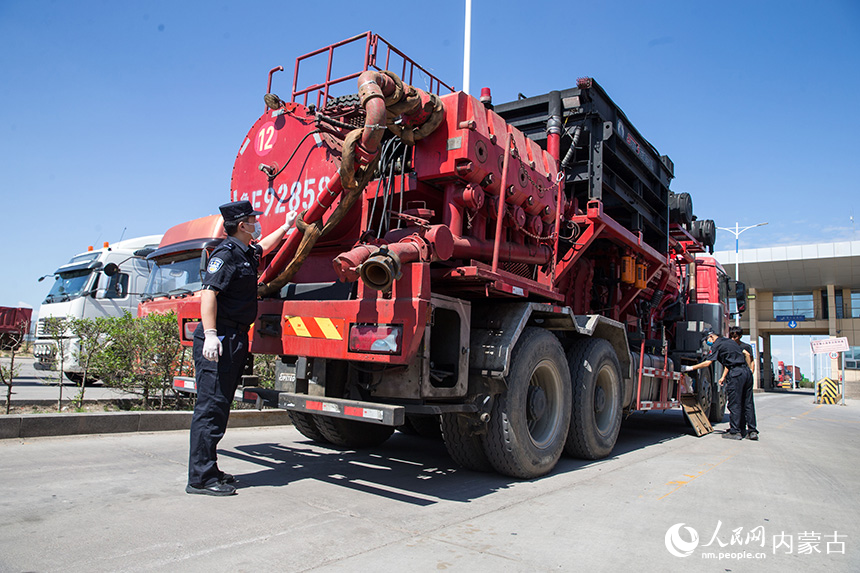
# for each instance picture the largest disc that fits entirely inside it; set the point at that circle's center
(116, 503)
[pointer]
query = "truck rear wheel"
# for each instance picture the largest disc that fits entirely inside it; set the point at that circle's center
(351, 434)
(424, 426)
(464, 446)
(704, 392)
(529, 421)
(597, 411)
(718, 404)
(306, 426)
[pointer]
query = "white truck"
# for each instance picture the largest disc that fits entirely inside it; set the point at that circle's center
(97, 283)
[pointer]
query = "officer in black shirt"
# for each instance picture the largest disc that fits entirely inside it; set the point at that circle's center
(739, 386)
(228, 307)
(747, 423)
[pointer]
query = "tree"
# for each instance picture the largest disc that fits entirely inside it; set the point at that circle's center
(56, 329)
(91, 333)
(12, 342)
(140, 355)
(161, 353)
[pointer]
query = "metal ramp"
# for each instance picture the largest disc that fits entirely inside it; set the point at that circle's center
(695, 416)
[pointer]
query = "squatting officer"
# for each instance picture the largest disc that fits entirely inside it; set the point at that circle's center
(228, 306)
(739, 388)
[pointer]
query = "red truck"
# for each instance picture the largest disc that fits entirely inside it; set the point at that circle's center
(519, 274)
(14, 326)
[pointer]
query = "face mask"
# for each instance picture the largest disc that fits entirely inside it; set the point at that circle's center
(709, 342)
(257, 232)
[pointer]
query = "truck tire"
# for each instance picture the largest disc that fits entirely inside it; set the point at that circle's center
(529, 420)
(351, 434)
(596, 420)
(342, 432)
(465, 447)
(704, 391)
(306, 425)
(425, 426)
(718, 404)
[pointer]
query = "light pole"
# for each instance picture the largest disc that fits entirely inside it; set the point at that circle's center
(737, 233)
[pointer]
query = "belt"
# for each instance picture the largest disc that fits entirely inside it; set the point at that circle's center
(232, 324)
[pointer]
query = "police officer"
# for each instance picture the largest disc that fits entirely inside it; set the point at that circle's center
(228, 306)
(748, 426)
(739, 386)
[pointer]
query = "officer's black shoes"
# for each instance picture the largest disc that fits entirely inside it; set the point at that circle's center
(753, 436)
(217, 488)
(731, 436)
(227, 478)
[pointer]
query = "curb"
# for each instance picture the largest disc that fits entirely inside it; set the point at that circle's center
(42, 425)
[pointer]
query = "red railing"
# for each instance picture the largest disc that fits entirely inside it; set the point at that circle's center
(375, 46)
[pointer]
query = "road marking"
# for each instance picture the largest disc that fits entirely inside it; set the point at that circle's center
(682, 483)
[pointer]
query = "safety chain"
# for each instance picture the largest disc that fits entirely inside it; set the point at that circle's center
(525, 168)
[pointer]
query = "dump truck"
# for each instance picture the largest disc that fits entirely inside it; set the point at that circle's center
(517, 275)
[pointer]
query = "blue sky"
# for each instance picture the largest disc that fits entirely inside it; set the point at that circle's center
(126, 116)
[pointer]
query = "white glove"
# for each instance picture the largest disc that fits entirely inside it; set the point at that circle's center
(291, 220)
(211, 345)
(686, 368)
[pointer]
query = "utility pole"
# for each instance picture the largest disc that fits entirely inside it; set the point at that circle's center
(737, 233)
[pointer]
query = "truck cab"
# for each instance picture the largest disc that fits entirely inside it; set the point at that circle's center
(178, 265)
(106, 282)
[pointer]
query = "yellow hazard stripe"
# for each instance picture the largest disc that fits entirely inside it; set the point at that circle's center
(328, 328)
(299, 326)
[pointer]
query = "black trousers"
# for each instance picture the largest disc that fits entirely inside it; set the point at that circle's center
(216, 386)
(739, 395)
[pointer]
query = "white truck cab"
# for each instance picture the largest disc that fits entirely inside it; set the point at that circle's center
(97, 283)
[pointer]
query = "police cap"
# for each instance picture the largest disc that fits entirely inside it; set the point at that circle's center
(237, 210)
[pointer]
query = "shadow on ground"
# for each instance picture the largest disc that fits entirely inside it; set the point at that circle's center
(418, 470)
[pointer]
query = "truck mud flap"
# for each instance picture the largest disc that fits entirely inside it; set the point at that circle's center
(382, 414)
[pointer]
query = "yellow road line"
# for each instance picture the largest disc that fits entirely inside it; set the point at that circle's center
(681, 483)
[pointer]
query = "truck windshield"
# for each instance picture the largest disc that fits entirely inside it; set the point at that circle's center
(68, 285)
(175, 274)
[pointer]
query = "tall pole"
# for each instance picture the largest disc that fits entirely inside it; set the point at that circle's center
(737, 233)
(793, 366)
(467, 47)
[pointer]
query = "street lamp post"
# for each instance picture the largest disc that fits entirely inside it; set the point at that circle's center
(737, 233)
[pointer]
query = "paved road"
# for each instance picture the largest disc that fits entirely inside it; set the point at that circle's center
(40, 386)
(116, 503)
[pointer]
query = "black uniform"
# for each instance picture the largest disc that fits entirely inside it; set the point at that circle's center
(748, 410)
(739, 385)
(232, 272)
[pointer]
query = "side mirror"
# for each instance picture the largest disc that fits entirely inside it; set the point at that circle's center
(741, 296)
(111, 269)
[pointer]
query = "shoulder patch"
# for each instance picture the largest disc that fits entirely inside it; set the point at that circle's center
(215, 265)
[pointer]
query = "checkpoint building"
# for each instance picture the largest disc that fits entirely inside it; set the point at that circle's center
(801, 290)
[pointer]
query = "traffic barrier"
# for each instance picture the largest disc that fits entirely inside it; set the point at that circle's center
(827, 392)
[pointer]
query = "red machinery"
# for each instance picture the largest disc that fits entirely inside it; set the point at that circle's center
(521, 275)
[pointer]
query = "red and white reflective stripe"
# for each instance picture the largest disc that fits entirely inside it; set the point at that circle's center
(659, 373)
(659, 405)
(187, 383)
(352, 411)
(363, 412)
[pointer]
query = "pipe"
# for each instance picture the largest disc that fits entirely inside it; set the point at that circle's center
(313, 214)
(472, 248)
(373, 88)
(501, 209)
(553, 125)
